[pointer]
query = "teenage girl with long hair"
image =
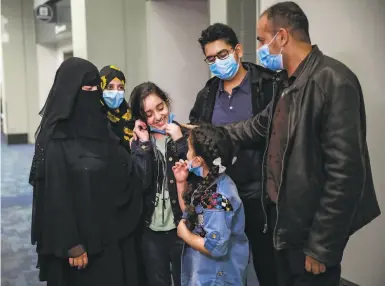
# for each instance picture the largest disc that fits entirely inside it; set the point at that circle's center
(161, 246)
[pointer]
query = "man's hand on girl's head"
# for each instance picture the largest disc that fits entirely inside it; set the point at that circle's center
(189, 126)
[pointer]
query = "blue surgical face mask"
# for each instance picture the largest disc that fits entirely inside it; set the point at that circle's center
(225, 69)
(113, 98)
(171, 117)
(195, 170)
(272, 62)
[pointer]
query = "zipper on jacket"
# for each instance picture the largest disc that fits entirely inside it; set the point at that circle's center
(165, 180)
(280, 183)
(265, 228)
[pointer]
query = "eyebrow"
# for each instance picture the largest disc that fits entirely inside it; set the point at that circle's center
(155, 107)
(217, 53)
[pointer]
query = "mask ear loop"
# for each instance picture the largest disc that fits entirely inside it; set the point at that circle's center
(280, 52)
(239, 58)
(273, 39)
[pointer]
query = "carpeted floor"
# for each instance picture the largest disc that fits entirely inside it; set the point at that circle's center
(18, 257)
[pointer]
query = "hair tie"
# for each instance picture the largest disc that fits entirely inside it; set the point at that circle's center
(218, 162)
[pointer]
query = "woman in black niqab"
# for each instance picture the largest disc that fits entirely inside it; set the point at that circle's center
(87, 188)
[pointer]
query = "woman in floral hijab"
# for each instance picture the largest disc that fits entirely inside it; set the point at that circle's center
(113, 85)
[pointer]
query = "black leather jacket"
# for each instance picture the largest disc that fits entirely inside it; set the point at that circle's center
(174, 152)
(327, 190)
(246, 172)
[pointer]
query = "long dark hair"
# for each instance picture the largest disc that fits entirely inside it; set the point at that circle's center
(139, 94)
(210, 143)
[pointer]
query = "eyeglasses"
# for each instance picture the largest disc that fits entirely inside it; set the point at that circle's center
(222, 55)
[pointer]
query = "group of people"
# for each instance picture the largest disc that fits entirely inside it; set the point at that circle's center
(273, 166)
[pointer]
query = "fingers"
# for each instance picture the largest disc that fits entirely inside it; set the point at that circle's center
(79, 262)
(180, 163)
(183, 163)
(170, 128)
(315, 268)
(140, 124)
(176, 166)
(189, 126)
(85, 260)
(308, 265)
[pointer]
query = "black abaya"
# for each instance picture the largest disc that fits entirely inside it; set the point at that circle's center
(87, 204)
(87, 190)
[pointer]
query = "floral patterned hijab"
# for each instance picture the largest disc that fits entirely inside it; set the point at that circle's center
(121, 118)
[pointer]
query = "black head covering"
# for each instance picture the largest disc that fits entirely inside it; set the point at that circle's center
(70, 77)
(121, 118)
(108, 73)
(75, 111)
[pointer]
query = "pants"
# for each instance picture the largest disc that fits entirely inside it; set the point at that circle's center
(290, 265)
(261, 243)
(159, 249)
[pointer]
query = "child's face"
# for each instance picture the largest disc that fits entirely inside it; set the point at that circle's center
(157, 111)
(197, 161)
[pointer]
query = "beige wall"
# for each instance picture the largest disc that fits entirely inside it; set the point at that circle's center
(112, 34)
(20, 88)
(352, 31)
(175, 59)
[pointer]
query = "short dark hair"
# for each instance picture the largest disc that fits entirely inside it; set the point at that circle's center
(139, 94)
(290, 16)
(218, 31)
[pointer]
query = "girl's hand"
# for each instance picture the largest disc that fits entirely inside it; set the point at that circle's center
(141, 131)
(174, 131)
(183, 231)
(181, 171)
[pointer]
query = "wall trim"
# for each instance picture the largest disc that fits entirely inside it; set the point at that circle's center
(13, 139)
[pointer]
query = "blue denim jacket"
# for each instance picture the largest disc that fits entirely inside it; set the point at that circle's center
(222, 224)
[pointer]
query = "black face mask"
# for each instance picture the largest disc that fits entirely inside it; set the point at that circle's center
(88, 104)
(88, 118)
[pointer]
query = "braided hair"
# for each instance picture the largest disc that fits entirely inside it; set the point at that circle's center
(209, 143)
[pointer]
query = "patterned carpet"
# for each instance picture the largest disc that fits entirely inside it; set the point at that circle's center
(18, 257)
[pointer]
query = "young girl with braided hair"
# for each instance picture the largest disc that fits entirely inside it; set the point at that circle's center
(216, 250)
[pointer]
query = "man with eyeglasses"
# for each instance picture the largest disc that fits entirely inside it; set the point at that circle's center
(238, 91)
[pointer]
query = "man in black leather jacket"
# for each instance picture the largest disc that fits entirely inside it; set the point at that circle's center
(239, 91)
(317, 176)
